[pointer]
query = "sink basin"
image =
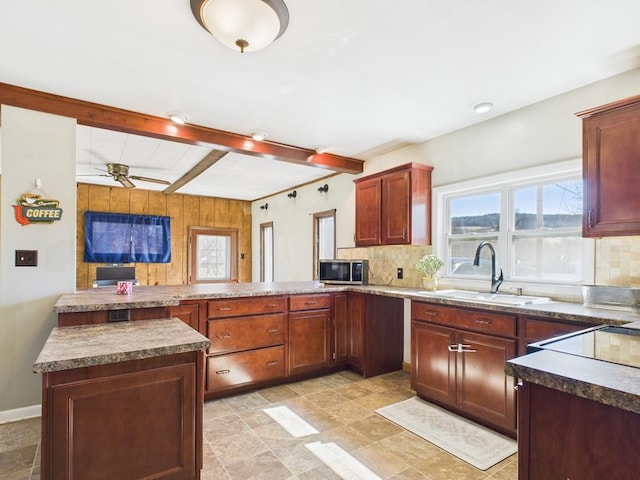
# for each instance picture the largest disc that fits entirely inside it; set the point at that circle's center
(495, 298)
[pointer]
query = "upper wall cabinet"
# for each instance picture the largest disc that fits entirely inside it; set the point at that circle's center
(394, 207)
(611, 162)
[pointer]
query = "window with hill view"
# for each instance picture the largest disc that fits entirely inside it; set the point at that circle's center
(535, 227)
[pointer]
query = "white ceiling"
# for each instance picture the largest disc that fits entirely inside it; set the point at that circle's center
(361, 76)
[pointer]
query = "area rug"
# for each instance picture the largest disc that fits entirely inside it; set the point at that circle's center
(463, 438)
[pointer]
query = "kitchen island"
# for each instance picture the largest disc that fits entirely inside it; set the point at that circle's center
(122, 400)
(578, 417)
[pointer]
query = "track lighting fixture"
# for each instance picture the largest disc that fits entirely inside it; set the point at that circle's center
(293, 194)
(324, 188)
(264, 207)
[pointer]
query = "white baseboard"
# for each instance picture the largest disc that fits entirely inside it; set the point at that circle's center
(20, 413)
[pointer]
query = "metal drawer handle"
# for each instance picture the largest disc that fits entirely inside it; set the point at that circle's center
(590, 218)
(431, 313)
(273, 330)
(224, 309)
(483, 321)
(461, 348)
(223, 372)
(272, 363)
(223, 335)
(272, 305)
(310, 302)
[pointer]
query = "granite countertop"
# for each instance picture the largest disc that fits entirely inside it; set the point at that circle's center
(91, 345)
(603, 382)
(94, 299)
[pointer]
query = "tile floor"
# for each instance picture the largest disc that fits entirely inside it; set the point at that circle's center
(242, 442)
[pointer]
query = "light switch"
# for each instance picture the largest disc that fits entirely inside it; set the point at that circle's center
(26, 258)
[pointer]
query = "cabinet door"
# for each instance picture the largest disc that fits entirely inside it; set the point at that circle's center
(309, 341)
(537, 330)
(189, 313)
(368, 205)
(433, 367)
(396, 208)
(347, 329)
(483, 389)
(611, 158)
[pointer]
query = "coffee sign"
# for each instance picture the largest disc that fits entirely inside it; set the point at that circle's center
(32, 208)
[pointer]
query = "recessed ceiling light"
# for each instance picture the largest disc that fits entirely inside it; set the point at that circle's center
(258, 136)
(321, 149)
(483, 107)
(178, 117)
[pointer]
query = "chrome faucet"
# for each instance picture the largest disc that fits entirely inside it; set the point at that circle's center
(495, 281)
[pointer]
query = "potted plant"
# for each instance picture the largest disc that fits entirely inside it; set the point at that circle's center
(429, 266)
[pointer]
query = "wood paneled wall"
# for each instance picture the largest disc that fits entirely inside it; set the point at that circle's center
(185, 211)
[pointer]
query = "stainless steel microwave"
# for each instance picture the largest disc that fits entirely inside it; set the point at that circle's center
(354, 272)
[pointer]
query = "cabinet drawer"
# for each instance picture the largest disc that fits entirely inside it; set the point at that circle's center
(535, 330)
(475, 320)
(233, 334)
(233, 369)
(234, 307)
(309, 302)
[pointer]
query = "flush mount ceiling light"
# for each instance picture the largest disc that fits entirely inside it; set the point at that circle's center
(258, 136)
(320, 149)
(245, 25)
(483, 107)
(178, 117)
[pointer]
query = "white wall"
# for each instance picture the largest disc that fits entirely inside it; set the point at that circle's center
(293, 225)
(34, 145)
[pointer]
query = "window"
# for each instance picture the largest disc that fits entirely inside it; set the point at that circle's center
(266, 252)
(212, 255)
(533, 219)
(324, 238)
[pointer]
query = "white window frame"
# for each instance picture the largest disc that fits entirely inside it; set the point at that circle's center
(506, 182)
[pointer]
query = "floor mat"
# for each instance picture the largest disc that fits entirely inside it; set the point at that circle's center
(463, 438)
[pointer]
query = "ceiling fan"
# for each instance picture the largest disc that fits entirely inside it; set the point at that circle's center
(120, 173)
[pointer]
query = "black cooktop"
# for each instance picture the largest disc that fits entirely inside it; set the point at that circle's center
(607, 343)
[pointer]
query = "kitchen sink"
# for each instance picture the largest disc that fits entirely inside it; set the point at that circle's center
(484, 297)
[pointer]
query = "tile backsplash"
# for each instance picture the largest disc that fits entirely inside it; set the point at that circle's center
(384, 262)
(618, 261)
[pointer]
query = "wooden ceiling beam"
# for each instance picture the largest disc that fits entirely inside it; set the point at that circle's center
(196, 170)
(111, 118)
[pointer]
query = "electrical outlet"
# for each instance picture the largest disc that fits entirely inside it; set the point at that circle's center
(400, 273)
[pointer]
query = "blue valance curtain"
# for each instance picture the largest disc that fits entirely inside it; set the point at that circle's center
(122, 238)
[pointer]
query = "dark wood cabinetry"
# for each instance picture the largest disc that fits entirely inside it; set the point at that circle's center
(153, 406)
(247, 342)
(534, 330)
(394, 207)
(309, 340)
(348, 338)
(458, 358)
(611, 156)
(188, 312)
(563, 436)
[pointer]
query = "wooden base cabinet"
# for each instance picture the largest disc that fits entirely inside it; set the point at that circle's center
(348, 334)
(309, 340)
(247, 342)
(457, 359)
(562, 436)
(134, 419)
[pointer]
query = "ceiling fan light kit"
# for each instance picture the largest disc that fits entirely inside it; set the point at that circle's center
(244, 25)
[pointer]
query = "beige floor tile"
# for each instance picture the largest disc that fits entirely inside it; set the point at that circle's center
(222, 426)
(19, 434)
(216, 408)
(409, 474)
(409, 447)
(230, 449)
(277, 394)
(327, 397)
(322, 472)
(448, 467)
(348, 411)
(375, 428)
(355, 390)
(264, 466)
(380, 461)
(248, 401)
(345, 437)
